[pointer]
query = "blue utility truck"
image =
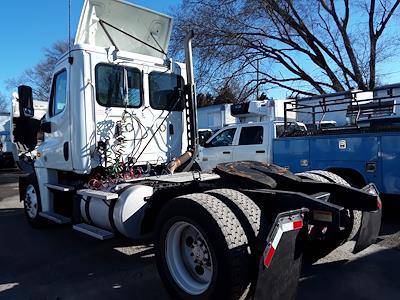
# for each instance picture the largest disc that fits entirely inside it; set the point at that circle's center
(365, 149)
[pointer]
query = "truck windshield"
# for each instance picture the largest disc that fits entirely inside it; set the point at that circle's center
(110, 86)
(164, 91)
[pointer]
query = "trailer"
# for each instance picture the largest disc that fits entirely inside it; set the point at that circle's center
(120, 141)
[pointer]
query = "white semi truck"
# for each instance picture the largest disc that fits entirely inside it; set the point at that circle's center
(120, 141)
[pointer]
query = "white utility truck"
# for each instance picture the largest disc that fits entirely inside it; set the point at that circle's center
(243, 141)
(261, 122)
(120, 141)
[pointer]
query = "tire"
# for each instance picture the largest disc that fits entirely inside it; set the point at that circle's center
(311, 176)
(30, 195)
(252, 220)
(248, 214)
(201, 249)
(322, 240)
(330, 176)
(355, 215)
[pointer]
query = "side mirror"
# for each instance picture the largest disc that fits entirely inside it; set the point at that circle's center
(25, 101)
(45, 127)
(25, 133)
(202, 140)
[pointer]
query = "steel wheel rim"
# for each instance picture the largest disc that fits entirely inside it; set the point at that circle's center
(190, 264)
(31, 202)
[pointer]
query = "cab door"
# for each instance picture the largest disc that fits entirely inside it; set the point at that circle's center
(252, 144)
(56, 148)
(218, 150)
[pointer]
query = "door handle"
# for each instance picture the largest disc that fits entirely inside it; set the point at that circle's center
(260, 151)
(66, 151)
(226, 152)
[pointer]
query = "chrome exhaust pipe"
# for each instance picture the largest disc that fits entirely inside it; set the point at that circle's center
(191, 107)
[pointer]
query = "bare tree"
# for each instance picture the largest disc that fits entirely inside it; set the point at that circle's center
(4, 104)
(304, 46)
(204, 99)
(228, 92)
(39, 77)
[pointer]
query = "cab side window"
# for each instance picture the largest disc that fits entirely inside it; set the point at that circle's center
(225, 138)
(58, 98)
(252, 135)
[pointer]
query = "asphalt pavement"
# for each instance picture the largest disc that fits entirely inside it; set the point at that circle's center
(60, 263)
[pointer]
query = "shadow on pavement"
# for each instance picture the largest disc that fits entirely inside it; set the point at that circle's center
(9, 176)
(60, 263)
(373, 276)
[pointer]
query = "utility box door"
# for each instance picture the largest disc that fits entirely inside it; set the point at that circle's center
(390, 155)
(292, 153)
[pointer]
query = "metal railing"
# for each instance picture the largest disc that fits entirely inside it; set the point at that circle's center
(356, 111)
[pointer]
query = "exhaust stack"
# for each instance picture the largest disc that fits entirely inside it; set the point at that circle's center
(191, 103)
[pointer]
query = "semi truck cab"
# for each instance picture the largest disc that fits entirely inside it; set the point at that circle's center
(115, 97)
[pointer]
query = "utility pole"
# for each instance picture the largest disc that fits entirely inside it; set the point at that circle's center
(258, 78)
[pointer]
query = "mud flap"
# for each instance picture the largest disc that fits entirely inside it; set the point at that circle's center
(370, 224)
(369, 230)
(280, 265)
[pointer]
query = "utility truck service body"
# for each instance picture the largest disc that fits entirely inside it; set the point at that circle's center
(119, 146)
(364, 149)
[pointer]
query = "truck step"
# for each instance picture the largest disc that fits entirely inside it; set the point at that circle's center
(93, 231)
(52, 216)
(98, 194)
(59, 187)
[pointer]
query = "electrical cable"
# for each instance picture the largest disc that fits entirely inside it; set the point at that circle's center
(158, 128)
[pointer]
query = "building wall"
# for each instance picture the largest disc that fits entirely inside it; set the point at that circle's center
(214, 116)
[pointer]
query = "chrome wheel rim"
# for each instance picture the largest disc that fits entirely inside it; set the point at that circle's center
(31, 201)
(188, 257)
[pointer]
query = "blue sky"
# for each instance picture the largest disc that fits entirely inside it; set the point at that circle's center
(27, 27)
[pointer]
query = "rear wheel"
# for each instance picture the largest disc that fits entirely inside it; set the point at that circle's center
(324, 239)
(311, 176)
(252, 220)
(201, 249)
(330, 176)
(249, 215)
(354, 223)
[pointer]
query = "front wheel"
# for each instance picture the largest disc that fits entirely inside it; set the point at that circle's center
(30, 195)
(201, 249)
